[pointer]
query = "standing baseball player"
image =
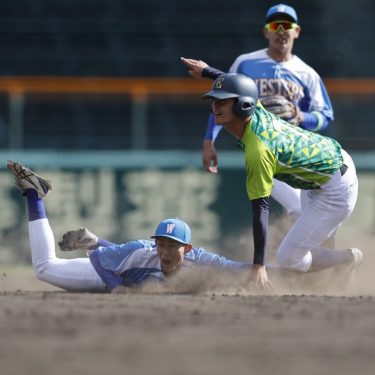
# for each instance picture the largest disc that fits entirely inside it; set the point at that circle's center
(275, 149)
(287, 87)
(110, 267)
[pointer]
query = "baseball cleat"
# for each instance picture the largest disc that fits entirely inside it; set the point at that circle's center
(27, 179)
(78, 239)
(344, 275)
(357, 256)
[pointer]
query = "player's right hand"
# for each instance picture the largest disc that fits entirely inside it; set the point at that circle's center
(258, 276)
(209, 157)
(195, 67)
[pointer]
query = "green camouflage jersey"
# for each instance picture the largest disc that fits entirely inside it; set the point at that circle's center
(275, 149)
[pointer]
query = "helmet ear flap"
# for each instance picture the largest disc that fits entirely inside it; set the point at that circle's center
(244, 106)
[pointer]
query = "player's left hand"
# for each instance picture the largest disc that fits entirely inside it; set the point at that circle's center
(258, 276)
(195, 67)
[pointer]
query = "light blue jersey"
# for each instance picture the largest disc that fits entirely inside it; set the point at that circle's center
(137, 261)
(293, 79)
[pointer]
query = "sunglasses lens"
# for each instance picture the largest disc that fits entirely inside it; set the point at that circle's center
(285, 25)
(272, 26)
(288, 25)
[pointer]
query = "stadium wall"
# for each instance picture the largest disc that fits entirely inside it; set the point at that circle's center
(122, 196)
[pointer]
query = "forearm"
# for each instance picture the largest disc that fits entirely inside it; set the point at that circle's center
(212, 130)
(260, 229)
(314, 121)
(206, 258)
(211, 73)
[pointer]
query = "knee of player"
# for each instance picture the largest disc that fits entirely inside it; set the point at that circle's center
(294, 215)
(290, 262)
(294, 210)
(39, 274)
(40, 271)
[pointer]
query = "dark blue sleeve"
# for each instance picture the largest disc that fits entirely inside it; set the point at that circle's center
(109, 278)
(211, 72)
(261, 209)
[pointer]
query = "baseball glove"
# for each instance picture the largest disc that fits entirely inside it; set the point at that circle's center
(282, 107)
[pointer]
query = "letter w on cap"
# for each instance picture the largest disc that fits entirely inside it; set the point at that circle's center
(170, 228)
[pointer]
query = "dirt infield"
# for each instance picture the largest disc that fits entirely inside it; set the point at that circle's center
(47, 331)
(306, 327)
(63, 333)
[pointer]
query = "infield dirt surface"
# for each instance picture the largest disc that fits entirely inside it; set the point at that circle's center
(307, 328)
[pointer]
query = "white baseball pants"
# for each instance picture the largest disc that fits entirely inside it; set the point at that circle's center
(288, 197)
(70, 274)
(324, 210)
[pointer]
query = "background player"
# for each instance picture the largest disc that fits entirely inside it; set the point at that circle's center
(110, 267)
(287, 86)
(275, 149)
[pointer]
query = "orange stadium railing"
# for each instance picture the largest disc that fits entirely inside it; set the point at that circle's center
(141, 86)
(138, 88)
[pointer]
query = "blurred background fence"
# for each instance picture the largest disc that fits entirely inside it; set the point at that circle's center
(86, 113)
(78, 42)
(93, 94)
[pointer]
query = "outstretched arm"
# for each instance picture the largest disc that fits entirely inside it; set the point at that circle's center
(199, 69)
(195, 67)
(258, 273)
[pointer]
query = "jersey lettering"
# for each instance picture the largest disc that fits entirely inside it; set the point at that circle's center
(278, 86)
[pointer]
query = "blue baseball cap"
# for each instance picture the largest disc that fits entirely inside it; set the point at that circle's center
(174, 228)
(281, 10)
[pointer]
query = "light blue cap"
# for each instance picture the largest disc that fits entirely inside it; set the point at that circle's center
(174, 228)
(282, 10)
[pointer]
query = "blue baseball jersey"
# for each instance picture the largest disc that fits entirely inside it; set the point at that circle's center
(293, 79)
(137, 261)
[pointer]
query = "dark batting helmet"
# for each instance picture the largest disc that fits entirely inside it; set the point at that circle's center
(233, 85)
